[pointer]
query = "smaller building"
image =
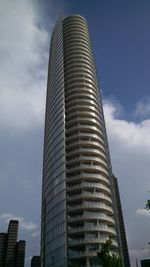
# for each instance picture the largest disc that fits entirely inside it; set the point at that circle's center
(145, 263)
(36, 261)
(12, 252)
(3, 242)
(12, 235)
(20, 255)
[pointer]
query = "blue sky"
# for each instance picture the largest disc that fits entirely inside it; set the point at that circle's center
(121, 39)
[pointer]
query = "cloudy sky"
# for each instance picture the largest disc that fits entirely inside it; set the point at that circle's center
(121, 40)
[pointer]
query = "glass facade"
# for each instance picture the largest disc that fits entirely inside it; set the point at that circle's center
(53, 239)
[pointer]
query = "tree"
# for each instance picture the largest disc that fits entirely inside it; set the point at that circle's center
(108, 259)
(147, 206)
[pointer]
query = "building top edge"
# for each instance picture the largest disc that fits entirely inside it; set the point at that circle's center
(2, 234)
(14, 221)
(74, 15)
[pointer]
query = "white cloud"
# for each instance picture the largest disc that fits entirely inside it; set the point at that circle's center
(23, 68)
(143, 108)
(143, 212)
(129, 134)
(23, 224)
(130, 153)
(129, 144)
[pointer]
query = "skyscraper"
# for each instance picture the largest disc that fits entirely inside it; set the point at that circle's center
(78, 213)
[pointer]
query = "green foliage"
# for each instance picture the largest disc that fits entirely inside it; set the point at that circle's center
(147, 206)
(108, 259)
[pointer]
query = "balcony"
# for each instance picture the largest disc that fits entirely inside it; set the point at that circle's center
(83, 135)
(96, 240)
(83, 127)
(92, 228)
(89, 151)
(87, 143)
(87, 167)
(91, 205)
(90, 159)
(84, 185)
(88, 176)
(80, 254)
(95, 216)
(90, 195)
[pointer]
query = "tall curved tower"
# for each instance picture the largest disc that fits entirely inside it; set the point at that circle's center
(78, 213)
